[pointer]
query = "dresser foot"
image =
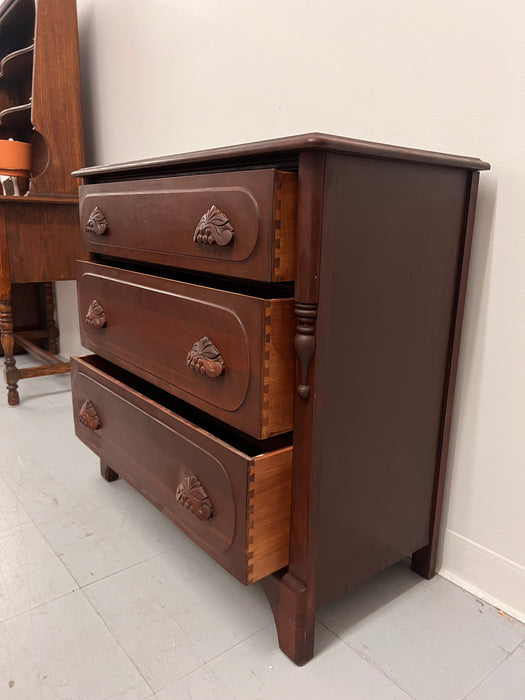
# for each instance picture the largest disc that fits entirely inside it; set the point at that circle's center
(424, 561)
(107, 472)
(294, 616)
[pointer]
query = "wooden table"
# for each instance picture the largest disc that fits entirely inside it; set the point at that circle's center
(39, 242)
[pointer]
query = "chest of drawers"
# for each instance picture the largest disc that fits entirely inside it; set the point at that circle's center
(275, 329)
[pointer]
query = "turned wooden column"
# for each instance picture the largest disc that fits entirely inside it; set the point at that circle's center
(6, 319)
(11, 373)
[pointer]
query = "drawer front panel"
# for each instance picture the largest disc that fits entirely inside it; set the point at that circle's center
(209, 347)
(213, 492)
(238, 224)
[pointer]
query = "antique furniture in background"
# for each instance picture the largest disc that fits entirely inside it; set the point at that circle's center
(40, 105)
(276, 328)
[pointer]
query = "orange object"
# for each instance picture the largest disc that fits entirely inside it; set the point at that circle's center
(15, 158)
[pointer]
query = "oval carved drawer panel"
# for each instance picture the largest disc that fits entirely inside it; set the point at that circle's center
(240, 224)
(236, 507)
(229, 354)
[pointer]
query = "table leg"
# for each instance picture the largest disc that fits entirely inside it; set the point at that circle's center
(52, 330)
(10, 370)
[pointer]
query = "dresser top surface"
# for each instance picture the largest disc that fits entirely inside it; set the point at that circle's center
(279, 152)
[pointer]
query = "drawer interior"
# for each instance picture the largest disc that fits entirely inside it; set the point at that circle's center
(145, 435)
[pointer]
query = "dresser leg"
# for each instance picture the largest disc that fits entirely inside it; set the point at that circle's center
(107, 472)
(11, 373)
(294, 616)
(424, 561)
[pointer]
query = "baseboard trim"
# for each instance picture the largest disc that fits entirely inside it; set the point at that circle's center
(484, 573)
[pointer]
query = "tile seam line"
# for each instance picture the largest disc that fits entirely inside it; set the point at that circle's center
(496, 646)
(369, 661)
(213, 658)
(81, 586)
(19, 502)
(39, 605)
(488, 675)
(106, 626)
(126, 568)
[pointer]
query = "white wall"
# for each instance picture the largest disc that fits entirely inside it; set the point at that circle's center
(166, 76)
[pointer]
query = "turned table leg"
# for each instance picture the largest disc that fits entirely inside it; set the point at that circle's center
(51, 326)
(10, 370)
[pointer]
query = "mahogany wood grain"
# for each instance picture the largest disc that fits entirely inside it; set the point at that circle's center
(28, 313)
(293, 595)
(43, 241)
(107, 473)
(273, 151)
(43, 370)
(135, 220)
(49, 306)
(5, 263)
(38, 242)
(56, 101)
(380, 259)
(395, 335)
(154, 449)
(11, 375)
(152, 324)
(35, 351)
(424, 559)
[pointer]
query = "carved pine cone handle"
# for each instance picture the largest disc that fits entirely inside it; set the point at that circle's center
(214, 228)
(88, 416)
(97, 223)
(192, 495)
(205, 358)
(95, 317)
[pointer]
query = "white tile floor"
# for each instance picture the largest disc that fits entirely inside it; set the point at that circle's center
(102, 598)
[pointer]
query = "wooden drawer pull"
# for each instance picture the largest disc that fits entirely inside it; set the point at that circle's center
(95, 316)
(97, 223)
(214, 228)
(192, 495)
(88, 416)
(205, 358)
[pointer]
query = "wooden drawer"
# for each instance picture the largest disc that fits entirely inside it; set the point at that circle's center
(229, 354)
(240, 224)
(233, 504)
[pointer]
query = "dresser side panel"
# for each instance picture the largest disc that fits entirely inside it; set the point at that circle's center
(393, 237)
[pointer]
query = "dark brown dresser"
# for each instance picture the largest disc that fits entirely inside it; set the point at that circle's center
(275, 329)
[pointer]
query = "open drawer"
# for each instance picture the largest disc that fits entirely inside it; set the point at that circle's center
(226, 353)
(233, 501)
(240, 224)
